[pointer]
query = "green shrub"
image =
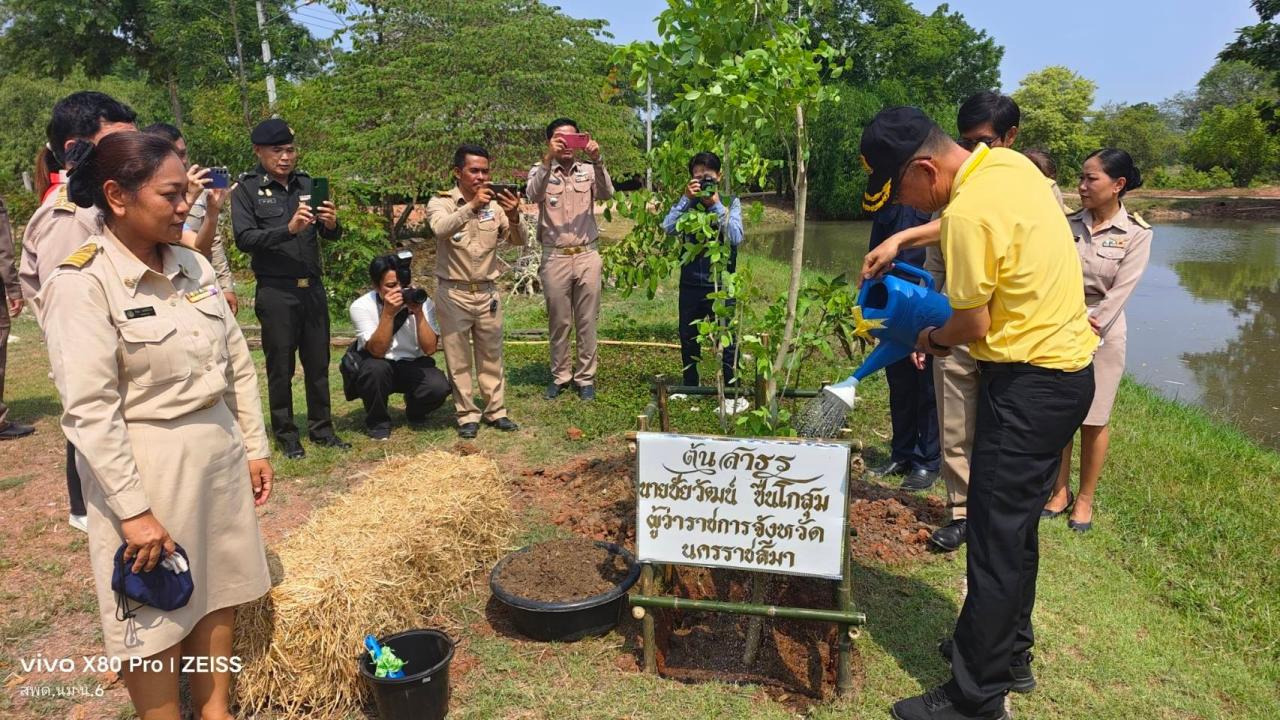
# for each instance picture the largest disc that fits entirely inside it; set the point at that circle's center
(1188, 178)
(346, 260)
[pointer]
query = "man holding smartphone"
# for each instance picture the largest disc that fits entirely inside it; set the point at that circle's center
(565, 191)
(274, 223)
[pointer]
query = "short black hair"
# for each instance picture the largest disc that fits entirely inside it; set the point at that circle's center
(706, 159)
(164, 130)
(465, 149)
(988, 107)
(379, 267)
(1043, 161)
(559, 123)
(80, 115)
(1118, 164)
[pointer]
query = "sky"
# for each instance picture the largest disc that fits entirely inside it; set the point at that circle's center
(1135, 50)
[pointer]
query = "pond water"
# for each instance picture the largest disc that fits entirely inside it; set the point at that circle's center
(1204, 323)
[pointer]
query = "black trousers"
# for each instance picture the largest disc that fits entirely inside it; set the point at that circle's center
(695, 306)
(913, 409)
(75, 493)
(424, 387)
(1026, 415)
(295, 320)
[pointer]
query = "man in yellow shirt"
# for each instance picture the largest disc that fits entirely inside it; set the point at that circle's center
(1016, 289)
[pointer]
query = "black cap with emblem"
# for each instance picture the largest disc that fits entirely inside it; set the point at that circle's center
(272, 132)
(888, 142)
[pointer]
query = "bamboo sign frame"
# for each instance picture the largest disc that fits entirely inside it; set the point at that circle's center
(650, 597)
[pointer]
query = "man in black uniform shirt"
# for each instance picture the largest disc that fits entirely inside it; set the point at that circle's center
(274, 224)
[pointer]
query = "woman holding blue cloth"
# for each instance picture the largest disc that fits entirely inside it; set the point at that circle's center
(160, 398)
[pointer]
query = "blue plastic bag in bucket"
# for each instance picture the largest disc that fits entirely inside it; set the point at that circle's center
(423, 692)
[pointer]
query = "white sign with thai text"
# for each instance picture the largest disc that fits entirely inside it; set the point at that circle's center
(767, 505)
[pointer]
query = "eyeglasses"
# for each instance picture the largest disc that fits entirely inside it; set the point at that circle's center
(971, 143)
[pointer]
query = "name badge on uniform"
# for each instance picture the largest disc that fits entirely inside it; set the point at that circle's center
(207, 291)
(486, 214)
(135, 313)
(581, 175)
(1115, 241)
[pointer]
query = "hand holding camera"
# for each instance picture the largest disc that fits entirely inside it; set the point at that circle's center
(484, 195)
(407, 293)
(707, 189)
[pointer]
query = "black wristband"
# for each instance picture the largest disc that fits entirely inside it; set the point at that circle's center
(934, 343)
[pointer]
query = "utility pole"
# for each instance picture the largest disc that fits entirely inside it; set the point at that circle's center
(244, 84)
(648, 131)
(266, 59)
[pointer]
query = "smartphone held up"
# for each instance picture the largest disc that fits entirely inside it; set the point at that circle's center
(576, 141)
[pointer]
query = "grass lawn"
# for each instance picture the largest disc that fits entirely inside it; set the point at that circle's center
(1168, 609)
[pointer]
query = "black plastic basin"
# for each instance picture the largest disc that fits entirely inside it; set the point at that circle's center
(568, 620)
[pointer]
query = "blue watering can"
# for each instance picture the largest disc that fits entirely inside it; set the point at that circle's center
(897, 309)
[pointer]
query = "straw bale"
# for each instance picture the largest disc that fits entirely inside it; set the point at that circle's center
(380, 559)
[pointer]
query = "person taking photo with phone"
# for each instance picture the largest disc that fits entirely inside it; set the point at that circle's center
(469, 222)
(201, 228)
(565, 191)
(275, 223)
(696, 276)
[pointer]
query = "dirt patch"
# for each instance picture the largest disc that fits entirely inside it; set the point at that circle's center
(595, 497)
(556, 570)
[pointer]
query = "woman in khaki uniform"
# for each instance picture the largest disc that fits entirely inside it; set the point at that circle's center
(161, 402)
(1114, 247)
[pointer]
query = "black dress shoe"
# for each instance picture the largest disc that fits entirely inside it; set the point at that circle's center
(1024, 681)
(919, 479)
(468, 430)
(293, 449)
(505, 424)
(893, 467)
(950, 537)
(13, 431)
(587, 392)
(554, 390)
(936, 705)
(332, 441)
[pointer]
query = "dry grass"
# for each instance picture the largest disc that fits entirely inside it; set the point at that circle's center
(381, 559)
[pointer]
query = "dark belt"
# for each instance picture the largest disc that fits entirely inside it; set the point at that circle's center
(277, 281)
(986, 366)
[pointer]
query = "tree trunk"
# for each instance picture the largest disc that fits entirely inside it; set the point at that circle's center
(175, 104)
(797, 262)
(400, 221)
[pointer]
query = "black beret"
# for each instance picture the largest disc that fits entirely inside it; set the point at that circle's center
(272, 132)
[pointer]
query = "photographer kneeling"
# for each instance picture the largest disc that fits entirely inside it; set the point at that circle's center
(396, 334)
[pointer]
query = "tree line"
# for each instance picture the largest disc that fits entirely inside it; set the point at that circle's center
(382, 110)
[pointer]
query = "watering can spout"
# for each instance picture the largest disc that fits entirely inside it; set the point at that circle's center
(886, 353)
(846, 390)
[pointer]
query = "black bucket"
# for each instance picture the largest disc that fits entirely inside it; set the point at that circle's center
(423, 692)
(572, 620)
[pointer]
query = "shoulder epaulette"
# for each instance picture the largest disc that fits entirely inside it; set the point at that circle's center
(442, 193)
(81, 256)
(1137, 219)
(61, 201)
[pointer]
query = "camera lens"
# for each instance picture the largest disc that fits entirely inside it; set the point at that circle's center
(415, 296)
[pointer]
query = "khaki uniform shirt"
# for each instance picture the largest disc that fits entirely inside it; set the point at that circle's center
(566, 201)
(1113, 258)
(128, 344)
(467, 241)
(8, 272)
(56, 229)
(217, 251)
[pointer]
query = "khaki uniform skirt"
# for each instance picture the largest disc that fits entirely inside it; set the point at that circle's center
(1108, 368)
(196, 476)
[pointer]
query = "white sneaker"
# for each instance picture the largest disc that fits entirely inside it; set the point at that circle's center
(79, 522)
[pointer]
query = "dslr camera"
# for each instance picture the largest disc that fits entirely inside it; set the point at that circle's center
(404, 273)
(707, 185)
